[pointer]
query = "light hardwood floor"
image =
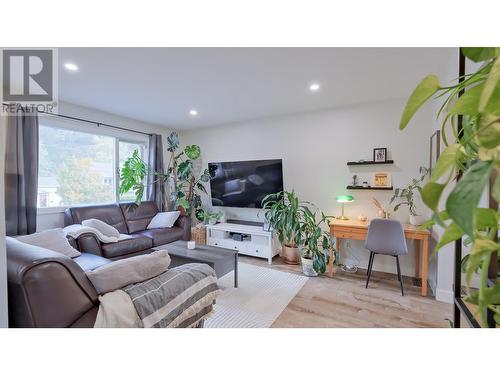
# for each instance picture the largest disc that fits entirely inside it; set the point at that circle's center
(344, 302)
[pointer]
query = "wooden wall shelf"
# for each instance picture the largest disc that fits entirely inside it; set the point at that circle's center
(370, 162)
(350, 187)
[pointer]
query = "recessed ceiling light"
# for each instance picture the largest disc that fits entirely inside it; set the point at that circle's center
(193, 112)
(71, 66)
(314, 87)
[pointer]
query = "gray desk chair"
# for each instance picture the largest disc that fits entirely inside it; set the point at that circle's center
(386, 237)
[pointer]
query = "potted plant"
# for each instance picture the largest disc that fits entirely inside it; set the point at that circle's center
(314, 242)
(186, 185)
(470, 160)
(207, 217)
(406, 197)
(283, 215)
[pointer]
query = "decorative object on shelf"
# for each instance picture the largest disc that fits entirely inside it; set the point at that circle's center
(381, 179)
(282, 211)
(406, 197)
(380, 155)
(365, 184)
(344, 199)
(362, 218)
(199, 234)
(191, 245)
(382, 212)
(435, 149)
(355, 180)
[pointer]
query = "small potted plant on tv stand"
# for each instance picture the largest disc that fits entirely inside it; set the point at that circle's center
(282, 212)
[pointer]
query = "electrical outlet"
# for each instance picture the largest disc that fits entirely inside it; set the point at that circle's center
(348, 244)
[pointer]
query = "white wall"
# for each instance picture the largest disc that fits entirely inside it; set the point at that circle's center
(3, 258)
(53, 218)
(445, 257)
(315, 148)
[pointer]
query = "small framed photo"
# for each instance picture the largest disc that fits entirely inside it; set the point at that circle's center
(381, 179)
(380, 155)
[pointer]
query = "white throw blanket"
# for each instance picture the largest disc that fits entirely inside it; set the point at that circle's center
(116, 310)
(76, 230)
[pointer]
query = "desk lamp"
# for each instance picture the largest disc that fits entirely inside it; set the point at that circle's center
(344, 199)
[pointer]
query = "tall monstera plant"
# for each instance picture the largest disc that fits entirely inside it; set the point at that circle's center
(474, 152)
(186, 185)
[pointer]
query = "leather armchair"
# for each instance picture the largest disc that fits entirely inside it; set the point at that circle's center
(47, 289)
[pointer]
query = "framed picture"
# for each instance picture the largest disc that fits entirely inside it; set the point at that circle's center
(381, 179)
(435, 149)
(380, 155)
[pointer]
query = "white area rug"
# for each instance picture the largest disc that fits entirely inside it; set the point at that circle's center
(261, 296)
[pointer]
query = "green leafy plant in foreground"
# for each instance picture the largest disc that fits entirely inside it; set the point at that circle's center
(473, 151)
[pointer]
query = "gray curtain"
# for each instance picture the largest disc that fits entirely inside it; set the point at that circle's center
(156, 186)
(21, 172)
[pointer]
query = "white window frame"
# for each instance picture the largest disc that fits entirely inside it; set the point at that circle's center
(89, 128)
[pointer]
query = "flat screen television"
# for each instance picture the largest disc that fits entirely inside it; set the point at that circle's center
(245, 183)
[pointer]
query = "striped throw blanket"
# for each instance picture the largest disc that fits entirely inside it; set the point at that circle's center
(177, 298)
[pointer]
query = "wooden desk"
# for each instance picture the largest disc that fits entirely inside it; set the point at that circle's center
(357, 230)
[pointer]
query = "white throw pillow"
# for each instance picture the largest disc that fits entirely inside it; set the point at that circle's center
(102, 227)
(123, 272)
(164, 219)
(52, 239)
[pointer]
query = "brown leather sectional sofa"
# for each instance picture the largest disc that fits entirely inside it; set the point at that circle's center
(47, 289)
(127, 218)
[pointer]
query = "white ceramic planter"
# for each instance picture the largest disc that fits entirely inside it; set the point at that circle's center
(307, 267)
(417, 220)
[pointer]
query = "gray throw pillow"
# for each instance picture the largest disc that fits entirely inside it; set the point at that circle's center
(123, 272)
(52, 239)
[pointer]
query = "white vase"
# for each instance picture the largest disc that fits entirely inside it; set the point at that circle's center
(417, 219)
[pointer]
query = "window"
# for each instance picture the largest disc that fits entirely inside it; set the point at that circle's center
(78, 167)
(125, 150)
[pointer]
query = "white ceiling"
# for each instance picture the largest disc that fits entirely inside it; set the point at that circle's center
(225, 85)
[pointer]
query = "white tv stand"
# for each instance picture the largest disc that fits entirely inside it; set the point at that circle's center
(258, 244)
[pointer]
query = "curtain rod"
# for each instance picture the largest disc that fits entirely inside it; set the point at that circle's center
(95, 122)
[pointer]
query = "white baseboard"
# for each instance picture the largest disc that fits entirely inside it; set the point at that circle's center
(444, 295)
